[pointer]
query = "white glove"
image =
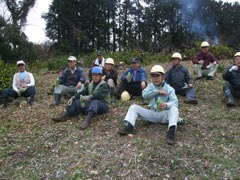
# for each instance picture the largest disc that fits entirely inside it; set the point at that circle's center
(233, 68)
(86, 98)
(185, 86)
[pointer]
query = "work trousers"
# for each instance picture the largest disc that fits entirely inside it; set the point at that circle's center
(169, 116)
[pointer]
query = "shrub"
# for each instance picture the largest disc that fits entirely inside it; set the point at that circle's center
(6, 75)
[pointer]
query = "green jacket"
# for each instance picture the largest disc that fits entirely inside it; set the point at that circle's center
(98, 91)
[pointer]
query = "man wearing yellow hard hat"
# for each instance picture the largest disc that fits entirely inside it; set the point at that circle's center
(205, 63)
(162, 107)
(231, 86)
(179, 78)
(110, 75)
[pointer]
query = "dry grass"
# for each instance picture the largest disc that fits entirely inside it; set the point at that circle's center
(34, 147)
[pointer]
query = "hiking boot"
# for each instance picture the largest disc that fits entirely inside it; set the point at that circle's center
(170, 139)
(61, 118)
(191, 101)
(230, 101)
(129, 129)
(209, 78)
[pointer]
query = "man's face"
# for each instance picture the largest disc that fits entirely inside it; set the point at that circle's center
(157, 78)
(96, 78)
(204, 49)
(21, 67)
(175, 61)
(108, 67)
(72, 64)
(100, 56)
(237, 61)
(135, 65)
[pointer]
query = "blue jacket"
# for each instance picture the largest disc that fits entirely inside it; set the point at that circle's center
(177, 76)
(151, 93)
(140, 75)
(232, 77)
(69, 79)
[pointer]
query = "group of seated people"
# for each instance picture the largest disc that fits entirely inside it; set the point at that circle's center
(94, 98)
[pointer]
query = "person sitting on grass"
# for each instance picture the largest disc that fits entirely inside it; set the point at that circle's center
(110, 75)
(179, 78)
(23, 85)
(232, 81)
(92, 100)
(133, 80)
(205, 63)
(70, 82)
(163, 106)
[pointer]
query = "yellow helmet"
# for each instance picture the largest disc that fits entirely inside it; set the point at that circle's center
(177, 55)
(157, 69)
(205, 44)
(237, 54)
(109, 61)
(125, 96)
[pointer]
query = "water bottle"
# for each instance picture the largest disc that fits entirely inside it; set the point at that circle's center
(57, 81)
(158, 103)
(82, 102)
(129, 77)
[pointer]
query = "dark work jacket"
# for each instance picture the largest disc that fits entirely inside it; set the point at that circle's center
(69, 79)
(112, 74)
(232, 77)
(177, 76)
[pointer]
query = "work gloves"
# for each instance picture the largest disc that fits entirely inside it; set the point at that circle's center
(86, 98)
(233, 68)
(185, 86)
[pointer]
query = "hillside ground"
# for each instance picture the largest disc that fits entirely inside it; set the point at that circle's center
(208, 146)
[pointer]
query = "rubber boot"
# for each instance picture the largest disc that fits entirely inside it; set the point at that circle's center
(86, 123)
(61, 118)
(230, 101)
(170, 139)
(57, 99)
(31, 101)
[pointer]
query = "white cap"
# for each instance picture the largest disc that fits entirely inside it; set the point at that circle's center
(72, 58)
(21, 62)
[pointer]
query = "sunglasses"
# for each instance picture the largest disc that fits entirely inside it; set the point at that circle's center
(156, 75)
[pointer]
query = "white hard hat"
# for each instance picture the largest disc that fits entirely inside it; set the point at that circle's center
(21, 62)
(205, 44)
(72, 58)
(109, 61)
(237, 54)
(177, 55)
(157, 69)
(125, 96)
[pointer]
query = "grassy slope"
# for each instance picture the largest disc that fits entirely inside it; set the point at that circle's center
(34, 147)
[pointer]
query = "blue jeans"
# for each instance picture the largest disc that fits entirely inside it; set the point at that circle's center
(29, 92)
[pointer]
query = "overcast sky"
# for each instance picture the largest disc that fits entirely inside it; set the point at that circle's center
(35, 28)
